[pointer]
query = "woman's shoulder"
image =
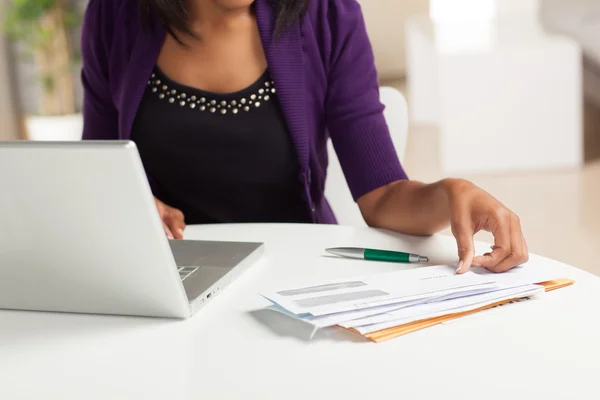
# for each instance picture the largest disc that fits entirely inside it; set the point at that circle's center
(335, 22)
(111, 11)
(327, 11)
(106, 20)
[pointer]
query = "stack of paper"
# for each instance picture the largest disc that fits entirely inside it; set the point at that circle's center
(371, 305)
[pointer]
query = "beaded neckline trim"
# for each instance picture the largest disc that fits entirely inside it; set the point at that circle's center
(203, 103)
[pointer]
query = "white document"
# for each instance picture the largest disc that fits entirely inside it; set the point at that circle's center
(380, 301)
(399, 318)
(530, 273)
(435, 307)
(356, 317)
(328, 320)
(345, 295)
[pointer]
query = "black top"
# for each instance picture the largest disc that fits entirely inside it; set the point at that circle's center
(219, 157)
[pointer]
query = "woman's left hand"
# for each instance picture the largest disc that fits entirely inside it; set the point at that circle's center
(472, 209)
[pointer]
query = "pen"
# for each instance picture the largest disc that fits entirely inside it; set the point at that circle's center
(377, 255)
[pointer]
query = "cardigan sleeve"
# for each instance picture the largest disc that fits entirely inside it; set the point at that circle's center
(354, 112)
(100, 116)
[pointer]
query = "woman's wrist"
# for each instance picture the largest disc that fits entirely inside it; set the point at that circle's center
(414, 207)
(452, 186)
(438, 200)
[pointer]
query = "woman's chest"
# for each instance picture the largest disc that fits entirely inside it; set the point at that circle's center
(206, 131)
(220, 65)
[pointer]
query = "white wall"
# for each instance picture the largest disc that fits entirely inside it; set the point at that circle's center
(385, 22)
(444, 10)
(386, 18)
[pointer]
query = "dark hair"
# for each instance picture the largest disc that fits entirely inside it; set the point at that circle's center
(172, 14)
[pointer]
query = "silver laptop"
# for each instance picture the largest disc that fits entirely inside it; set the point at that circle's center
(79, 232)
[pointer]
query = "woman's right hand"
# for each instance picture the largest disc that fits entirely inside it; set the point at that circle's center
(172, 218)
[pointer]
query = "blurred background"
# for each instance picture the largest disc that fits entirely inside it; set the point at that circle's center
(505, 93)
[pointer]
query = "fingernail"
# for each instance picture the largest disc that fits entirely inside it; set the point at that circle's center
(459, 268)
(169, 235)
(181, 232)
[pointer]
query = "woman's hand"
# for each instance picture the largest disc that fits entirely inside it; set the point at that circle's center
(172, 218)
(471, 210)
(417, 208)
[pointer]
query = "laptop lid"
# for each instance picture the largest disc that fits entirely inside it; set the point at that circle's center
(79, 232)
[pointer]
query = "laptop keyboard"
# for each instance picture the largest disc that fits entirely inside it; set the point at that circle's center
(185, 272)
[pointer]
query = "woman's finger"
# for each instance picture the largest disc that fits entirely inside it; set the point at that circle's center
(168, 231)
(176, 223)
(518, 254)
(524, 246)
(463, 233)
(501, 229)
(526, 250)
(176, 230)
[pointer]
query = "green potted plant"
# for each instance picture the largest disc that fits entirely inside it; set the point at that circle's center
(43, 29)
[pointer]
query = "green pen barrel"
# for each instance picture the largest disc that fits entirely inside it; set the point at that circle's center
(383, 255)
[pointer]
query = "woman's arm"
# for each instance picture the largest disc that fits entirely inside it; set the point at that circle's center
(353, 110)
(420, 209)
(376, 179)
(407, 206)
(100, 117)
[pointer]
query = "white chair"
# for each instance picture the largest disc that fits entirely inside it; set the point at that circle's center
(336, 190)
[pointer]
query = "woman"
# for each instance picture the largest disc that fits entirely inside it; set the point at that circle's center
(231, 104)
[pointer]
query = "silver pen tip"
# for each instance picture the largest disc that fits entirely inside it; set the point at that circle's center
(423, 259)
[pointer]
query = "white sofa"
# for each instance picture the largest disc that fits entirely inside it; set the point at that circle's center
(579, 19)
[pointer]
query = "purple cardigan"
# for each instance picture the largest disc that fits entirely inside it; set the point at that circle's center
(326, 80)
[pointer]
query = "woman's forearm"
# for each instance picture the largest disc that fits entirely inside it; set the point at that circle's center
(409, 207)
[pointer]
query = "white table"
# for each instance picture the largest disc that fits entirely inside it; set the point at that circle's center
(546, 349)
